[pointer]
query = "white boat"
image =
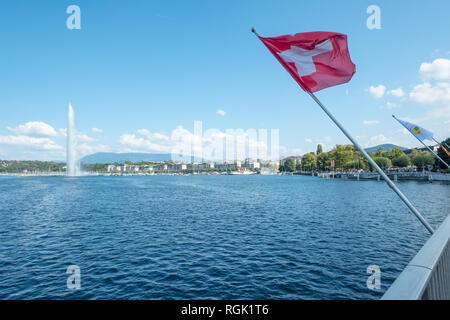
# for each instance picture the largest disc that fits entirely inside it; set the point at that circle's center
(243, 172)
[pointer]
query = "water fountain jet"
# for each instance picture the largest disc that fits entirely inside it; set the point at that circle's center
(73, 165)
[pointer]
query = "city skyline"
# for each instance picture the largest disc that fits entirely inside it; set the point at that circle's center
(131, 91)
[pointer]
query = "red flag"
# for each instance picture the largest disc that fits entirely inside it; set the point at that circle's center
(316, 60)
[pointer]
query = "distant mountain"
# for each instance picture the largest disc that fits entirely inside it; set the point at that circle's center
(109, 157)
(385, 147)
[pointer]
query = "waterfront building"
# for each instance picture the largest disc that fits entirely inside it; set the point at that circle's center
(200, 166)
(113, 168)
(160, 167)
(252, 165)
(235, 164)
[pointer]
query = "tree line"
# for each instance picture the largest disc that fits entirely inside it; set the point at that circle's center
(17, 166)
(347, 158)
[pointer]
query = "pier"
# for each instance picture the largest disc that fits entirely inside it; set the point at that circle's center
(395, 176)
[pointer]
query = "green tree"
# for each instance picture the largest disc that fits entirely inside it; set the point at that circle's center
(379, 152)
(421, 159)
(351, 165)
(298, 165)
(319, 149)
(14, 166)
(323, 161)
(413, 153)
(444, 156)
(309, 162)
(362, 163)
(289, 165)
(401, 161)
(342, 154)
(382, 162)
(393, 153)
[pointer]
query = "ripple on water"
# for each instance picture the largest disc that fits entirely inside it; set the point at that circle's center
(207, 237)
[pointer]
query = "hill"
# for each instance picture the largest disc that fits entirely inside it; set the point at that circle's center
(385, 147)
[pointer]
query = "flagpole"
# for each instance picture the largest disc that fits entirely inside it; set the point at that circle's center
(437, 142)
(442, 147)
(433, 153)
(369, 159)
(427, 146)
(254, 31)
(374, 164)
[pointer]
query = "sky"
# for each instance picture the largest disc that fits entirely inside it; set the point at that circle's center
(139, 73)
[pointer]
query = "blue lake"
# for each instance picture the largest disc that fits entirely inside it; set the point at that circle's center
(208, 237)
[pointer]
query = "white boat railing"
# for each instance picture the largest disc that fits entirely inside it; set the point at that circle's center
(427, 276)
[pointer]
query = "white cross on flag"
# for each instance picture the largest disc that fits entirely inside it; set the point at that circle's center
(316, 60)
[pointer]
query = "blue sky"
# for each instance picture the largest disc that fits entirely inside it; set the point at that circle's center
(138, 70)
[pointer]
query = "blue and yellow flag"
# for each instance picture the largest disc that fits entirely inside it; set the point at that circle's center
(418, 132)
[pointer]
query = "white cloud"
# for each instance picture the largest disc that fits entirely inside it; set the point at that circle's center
(33, 140)
(435, 90)
(370, 122)
(403, 140)
(308, 140)
(34, 128)
(213, 144)
(402, 137)
(143, 143)
(80, 136)
(97, 130)
(30, 142)
(220, 112)
(439, 69)
(378, 139)
(429, 94)
(435, 52)
(403, 131)
(399, 93)
(378, 91)
(441, 113)
(391, 105)
(296, 152)
(153, 136)
(86, 149)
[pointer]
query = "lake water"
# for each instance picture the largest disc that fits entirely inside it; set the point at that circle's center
(208, 237)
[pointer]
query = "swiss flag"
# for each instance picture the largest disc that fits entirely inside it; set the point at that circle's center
(316, 60)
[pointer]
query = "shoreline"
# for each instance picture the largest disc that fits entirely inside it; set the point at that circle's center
(363, 176)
